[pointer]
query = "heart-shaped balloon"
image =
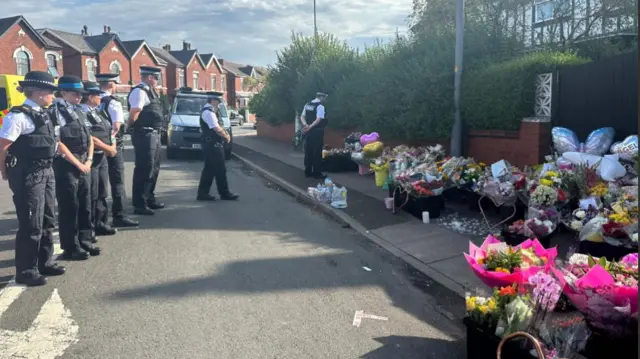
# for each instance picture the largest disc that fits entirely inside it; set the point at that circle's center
(369, 138)
(626, 149)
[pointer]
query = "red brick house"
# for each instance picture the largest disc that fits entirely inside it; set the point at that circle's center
(214, 73)
(195, 70)
(24, 49)
(86, 55)
(142, 55)
(239, 88)
(174, 70)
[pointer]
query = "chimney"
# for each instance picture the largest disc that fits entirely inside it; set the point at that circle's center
(221, 61)
(166, 47)
(109, 29)
(105, 29)
(85, 30)
(186, 45)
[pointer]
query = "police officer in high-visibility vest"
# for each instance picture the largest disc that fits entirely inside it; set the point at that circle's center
(146, 117)
(314, 121)
(104, 147)
(28, 142)
(73, 172)
(213, 138)
(113, 109)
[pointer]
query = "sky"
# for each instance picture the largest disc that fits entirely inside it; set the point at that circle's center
(244, 31)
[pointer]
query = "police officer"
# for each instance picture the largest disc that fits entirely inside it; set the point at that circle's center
(146, 116)
(101, 130)
(28, 141)
(73, 172)
(314, 121)
(213, 138)
(113, 109)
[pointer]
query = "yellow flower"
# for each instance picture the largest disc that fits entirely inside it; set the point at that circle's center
(502, 270)
(551, 174)
(622, 218)
(491, 304)
(546, 182)
(482, 164)
(484, 309)
(480, 260)
(599, 190)
(471, 304)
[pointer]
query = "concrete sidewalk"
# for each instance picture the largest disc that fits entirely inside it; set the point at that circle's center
(430, 248)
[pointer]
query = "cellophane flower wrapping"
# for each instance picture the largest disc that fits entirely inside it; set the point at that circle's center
(608, 304)
(541, 221)
(500, 279)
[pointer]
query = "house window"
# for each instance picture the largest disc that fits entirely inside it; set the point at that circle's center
(91, 69)
(181, 78)
(241, 84)
(196, 82)
(213, 82)
(52, 65)
(23, 63)
(549, 9)
(160, 79)
(223, 82)
(114, 68)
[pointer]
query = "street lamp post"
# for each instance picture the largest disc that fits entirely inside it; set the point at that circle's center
(315, 24)
(456, 131)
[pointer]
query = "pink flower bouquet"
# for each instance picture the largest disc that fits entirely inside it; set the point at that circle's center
(500, 265)
(605, 292)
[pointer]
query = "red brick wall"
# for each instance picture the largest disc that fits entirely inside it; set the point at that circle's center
(203, 78)
(213, 70)
(528, 146)
(107, 56)
(144, 58)
(12, 40)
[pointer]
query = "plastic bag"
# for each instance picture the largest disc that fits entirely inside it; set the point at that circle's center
(339, 197)
(381, 173)
(592, 231)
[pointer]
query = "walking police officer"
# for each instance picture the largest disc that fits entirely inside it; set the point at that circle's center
(314, 121)
(113, 109)
(73, 172)
(28, 141)
(213, 138)
(103, 148)
(146, 116)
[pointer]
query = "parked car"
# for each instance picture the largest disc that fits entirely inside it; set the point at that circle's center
(236, 118)
(184, 132)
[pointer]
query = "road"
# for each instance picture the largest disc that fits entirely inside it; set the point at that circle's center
(264, 277)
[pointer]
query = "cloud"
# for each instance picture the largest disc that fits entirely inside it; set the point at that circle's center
(246, 31)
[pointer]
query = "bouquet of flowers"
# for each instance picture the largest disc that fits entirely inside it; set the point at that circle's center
(605, 292)
(543, 196)
(482, 310)
(423, 188)
(499, 265)
(564, 336)
(470, 173)
(579, 217)
(541, 222)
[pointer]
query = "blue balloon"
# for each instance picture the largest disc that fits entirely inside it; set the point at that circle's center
(626, 149)
(597, 143)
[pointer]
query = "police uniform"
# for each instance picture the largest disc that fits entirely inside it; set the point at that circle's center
(33, 136)
(112, 108)
(101, 129)
(213, 150)
(314, 137)
(146, 144)
(73, 187)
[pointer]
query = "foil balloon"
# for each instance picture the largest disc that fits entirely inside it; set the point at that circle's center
(597, 143)
(608, 167)
(369, 138)
(626, 149)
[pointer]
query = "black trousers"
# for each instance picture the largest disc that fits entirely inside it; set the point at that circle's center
(147, 166)
(116, 180)
(214, 167)
(313, 152)
(99, 190)
(73, 192)
(34, 199)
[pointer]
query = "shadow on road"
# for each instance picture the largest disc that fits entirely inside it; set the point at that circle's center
(395, 346)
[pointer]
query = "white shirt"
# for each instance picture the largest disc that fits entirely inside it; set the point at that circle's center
(139, 98)
(319, 112)
(210, 118)
(114, 110)
(16, 124)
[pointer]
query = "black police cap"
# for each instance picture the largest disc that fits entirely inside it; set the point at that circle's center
(38, 79)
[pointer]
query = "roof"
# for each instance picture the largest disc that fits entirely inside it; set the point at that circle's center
(75, 41)
(134, 46)
(207, 58)
(50, 43)
(9, 22)
(166, 56)
(243, 70)
(185, 56)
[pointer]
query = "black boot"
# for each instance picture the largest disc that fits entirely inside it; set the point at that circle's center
(228, 196)
(145, 211)
(31, 279)
(52, 270)
(105, 230)
(123, 222)
(75, 255)
(206, 197)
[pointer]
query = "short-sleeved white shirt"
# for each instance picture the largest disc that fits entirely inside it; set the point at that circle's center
(16, 124)
(115, 110)
(319, 111)
(210, 118)
(139, 98)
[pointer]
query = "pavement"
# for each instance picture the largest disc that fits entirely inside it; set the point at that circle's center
(436, 249)
(264, 277)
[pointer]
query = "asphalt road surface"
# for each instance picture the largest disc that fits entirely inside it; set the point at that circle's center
(264, 277)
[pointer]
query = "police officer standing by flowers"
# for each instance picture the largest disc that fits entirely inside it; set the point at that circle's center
(73, 172)
(28, 141)
(113, 109)
(314, 120)
(146, 116)
(101, 130)
(213, 138)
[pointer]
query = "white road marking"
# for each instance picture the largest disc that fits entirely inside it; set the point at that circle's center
(357, 318)
(50, 334)
(371, 316)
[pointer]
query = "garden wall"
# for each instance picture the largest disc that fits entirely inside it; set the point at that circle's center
(527, 146)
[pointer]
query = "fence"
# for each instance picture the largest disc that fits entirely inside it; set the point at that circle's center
(598, 94)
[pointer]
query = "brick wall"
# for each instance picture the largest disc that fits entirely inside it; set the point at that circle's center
(144, 58)
(195, 66)
(528, 146)
(12, 40)
(114, 52)
(213, 70)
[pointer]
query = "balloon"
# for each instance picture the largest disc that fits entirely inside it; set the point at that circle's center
(369, 138)
(608, 166)
(597, 143)
(626, 149)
